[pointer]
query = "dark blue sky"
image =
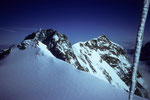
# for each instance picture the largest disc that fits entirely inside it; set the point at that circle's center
(80, 20)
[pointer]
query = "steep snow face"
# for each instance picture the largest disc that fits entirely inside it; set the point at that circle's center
(57, 43)
(35, 74)
(107, 60)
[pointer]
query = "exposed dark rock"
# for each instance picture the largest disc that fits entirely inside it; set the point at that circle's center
(107, 76)
(111, 55)
(4, 53)
(57, 43)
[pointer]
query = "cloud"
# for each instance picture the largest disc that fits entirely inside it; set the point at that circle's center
(8, 30)
(144, 69)
(18, 28)
(14, 29)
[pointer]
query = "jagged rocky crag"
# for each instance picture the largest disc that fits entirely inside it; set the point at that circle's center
(99, 57)
(108, 61)
(57, 43)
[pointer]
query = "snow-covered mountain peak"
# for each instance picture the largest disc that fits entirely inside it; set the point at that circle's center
(108, 61)
(34, 46)
(103, 38)
(99, 56)
(98, 41)
(57, 43)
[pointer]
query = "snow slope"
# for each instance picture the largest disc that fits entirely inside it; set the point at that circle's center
(97, 66)
(99, 57)
(108, 61)
(35, 74)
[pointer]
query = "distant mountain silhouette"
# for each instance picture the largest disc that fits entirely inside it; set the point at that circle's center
(145, 53)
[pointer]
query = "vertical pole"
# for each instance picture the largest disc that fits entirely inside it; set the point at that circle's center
(139, 40)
